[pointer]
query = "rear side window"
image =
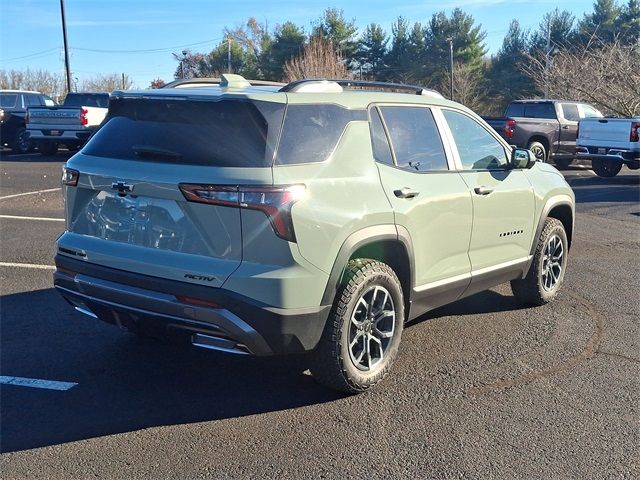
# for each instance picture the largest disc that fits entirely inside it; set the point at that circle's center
(226, 133)
(590, 112)
(8, 100)
(570, 112)
(311, 132)
(414, 138)
(379, 142)
(478, 149)
(540, 110)
(33, 100)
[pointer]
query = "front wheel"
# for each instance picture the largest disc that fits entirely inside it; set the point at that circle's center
(363, 331)
(548, 266)
(606, 168)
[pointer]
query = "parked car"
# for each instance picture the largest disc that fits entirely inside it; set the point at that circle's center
(546, 127)
(70, 124)
(303, 218)
(13, 107)
(609, 143)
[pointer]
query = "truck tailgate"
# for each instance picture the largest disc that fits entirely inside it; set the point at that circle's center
(613, 131)
(54, 115)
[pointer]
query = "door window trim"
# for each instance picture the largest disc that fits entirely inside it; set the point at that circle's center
(449, 158)
(454, 148)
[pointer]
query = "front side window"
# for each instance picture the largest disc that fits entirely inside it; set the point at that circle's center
(570, 112)
(415, 138)
(478, 149)
(590, 112)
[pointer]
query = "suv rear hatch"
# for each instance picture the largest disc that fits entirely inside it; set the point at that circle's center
(130, 211)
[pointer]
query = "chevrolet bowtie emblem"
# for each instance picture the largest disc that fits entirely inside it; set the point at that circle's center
(122, 187)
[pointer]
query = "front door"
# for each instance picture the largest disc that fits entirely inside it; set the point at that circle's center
(503, 202)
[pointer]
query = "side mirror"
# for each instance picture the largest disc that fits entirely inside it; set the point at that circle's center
(522, 158)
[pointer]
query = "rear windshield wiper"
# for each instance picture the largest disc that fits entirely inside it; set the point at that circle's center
(145, 151)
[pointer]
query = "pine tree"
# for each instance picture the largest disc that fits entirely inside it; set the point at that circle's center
(288, 41)
(601, 24)
(372, 50)
(628, 23)
(333, 28)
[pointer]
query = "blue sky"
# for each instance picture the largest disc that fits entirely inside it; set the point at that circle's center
(107, 36)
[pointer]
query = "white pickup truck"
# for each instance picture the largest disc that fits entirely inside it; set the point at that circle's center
(70, 124)
(609, 143)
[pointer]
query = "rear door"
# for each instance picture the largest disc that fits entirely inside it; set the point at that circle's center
(568, 127)
(130, 211)
(429, 198)
(503, 201)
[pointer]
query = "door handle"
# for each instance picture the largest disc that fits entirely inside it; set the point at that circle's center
(406, 192)
(566, 127)
(483, 190)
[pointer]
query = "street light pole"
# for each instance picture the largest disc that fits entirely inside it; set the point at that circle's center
(450, 40)
(66, 47)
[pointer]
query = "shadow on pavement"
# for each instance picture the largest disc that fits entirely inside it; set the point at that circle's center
(127, 383)
(623, 188)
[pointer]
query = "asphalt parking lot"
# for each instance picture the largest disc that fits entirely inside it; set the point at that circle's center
(482, 388)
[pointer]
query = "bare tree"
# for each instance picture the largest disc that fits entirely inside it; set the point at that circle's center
(107, 83)
(607, 76)
(319, 59)
(467, 86)
(51, 84)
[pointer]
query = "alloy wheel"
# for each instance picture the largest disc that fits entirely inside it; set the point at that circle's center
(552, 262)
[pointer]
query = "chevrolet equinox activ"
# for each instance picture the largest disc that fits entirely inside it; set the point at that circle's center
(318, 216)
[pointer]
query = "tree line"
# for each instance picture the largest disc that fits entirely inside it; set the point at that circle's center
(595, 58)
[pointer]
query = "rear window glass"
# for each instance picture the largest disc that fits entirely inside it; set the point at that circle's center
(86, 100)
(8, 100)
(311, 132)
(228, 133)
(540, 110)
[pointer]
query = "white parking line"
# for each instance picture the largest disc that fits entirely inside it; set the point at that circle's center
(43, 219)
(27, 265)
(36, 383)
(15, 195)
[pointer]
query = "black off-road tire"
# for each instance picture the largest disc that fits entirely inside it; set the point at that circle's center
(606, 168)
(531, 289)
(21, 143)
(47, 148)
(331, 363)
(539, 150)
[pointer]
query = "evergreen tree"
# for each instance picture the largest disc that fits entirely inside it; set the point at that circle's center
(601, 24)
(397, 59)
(333, 28)
(288, 41)
(560, 26)
(372, 50)
(628, 23)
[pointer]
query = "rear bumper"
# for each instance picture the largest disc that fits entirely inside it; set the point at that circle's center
(65, 135)
(236, 324)
(613, 154)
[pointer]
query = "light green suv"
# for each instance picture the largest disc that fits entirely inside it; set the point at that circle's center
(318, 216)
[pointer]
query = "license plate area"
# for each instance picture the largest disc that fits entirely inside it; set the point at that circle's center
(602, 151)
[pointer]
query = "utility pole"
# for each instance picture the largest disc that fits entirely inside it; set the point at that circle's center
(66, 47)
(228, 54)
(450, 40)
(123, 84)
(547, 59)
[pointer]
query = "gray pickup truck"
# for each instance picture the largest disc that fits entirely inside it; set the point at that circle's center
(70, 124)
(548, 128)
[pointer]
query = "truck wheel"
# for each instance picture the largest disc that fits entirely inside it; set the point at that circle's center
(21, 142)
(546, 273)
(47, 148)
(563, 162)
(538, 150)
(362, 335)
(606, 168)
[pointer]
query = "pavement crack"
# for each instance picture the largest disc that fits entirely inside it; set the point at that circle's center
(618, 355)
(590, 349)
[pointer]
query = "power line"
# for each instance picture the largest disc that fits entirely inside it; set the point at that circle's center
(31, 55)
(151, 50)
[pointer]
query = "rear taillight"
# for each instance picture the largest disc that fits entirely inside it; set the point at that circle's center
(274, 202)
(84, 121)
(509, 128)
(70, 177)
(635, 132)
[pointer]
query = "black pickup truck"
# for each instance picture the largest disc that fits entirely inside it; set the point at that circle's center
(548, 128)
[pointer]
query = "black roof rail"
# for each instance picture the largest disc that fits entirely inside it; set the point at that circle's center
(216, 81)
(398, 87)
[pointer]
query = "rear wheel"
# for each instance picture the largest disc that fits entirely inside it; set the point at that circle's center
(606, 168)
(538, 150)
(47, 148)
(21, 142)
(547, 270)
(362, 335)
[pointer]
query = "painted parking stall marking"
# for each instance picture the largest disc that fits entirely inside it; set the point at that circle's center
(36, 383)
(27, 265)
(42, 219)
(16, 195)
